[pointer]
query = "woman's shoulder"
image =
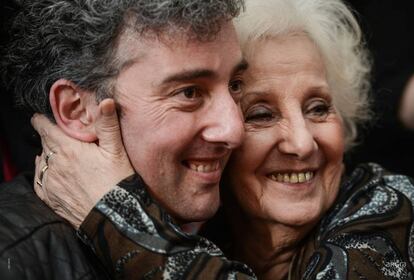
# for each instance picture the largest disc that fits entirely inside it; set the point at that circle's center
(372, 199)
(376, 188)
(369, 231)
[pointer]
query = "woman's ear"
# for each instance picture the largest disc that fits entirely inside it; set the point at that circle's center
(75, 110)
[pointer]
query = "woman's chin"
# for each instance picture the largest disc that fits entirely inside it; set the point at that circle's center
(297, 216)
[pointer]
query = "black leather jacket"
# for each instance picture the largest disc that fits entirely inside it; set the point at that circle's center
(35, 243)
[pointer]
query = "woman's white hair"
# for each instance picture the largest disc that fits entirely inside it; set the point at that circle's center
(333, 28)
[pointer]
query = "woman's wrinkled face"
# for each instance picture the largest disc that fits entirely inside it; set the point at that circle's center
(289, 167)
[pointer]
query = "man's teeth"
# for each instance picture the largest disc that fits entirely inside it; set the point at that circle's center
(204, 167)
(292, 178)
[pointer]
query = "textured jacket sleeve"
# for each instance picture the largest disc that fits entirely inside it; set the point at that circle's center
(136, 239)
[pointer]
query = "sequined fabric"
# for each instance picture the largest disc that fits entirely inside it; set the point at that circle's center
(136, 239)
(367, 235)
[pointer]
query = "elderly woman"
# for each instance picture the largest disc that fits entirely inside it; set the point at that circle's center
(285, 189)
(292, 212)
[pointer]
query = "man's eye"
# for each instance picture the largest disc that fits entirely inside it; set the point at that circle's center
(188, 98)
(190, 93)
(258, 115)
(236, 86)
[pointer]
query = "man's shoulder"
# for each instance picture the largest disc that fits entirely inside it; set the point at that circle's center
(35, 241)
(21, 211)
(24, 218)
(19, 189)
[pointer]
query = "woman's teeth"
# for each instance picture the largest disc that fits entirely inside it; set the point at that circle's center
(292, 178)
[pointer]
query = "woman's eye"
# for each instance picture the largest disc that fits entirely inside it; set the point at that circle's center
(319, 110)
(259, 114)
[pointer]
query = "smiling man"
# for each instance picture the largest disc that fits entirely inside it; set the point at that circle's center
(180, 118)
(173, 68)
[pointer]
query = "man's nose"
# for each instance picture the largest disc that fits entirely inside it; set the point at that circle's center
(297, 139)
(224, 122)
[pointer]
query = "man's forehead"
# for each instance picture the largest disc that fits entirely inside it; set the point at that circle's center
(171, 53)
(200, 73)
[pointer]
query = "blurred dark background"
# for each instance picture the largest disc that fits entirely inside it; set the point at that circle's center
(18, 143)
(389, 31)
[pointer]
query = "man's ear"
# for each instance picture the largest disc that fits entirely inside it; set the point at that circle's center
(75, 110)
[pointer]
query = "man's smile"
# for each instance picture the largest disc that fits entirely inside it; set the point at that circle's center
(204, 166)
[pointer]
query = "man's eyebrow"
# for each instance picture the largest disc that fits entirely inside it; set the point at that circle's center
(240, 67)
(201, 73)
(188, 75)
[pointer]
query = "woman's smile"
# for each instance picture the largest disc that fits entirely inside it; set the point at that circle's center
(292, 177)
(289, 166)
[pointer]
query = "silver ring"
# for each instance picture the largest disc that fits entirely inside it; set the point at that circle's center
(47, 157)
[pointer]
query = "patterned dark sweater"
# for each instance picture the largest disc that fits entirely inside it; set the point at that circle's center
(368, 234)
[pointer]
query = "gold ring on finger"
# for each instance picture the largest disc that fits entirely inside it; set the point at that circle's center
(47, 157)
(39, 183)
(42, 172)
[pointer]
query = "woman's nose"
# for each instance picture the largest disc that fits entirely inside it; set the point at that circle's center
(297, 139)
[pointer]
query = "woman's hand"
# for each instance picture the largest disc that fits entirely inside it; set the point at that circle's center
(79, 173)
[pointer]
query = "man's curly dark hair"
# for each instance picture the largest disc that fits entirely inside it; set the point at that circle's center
(77, 40)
